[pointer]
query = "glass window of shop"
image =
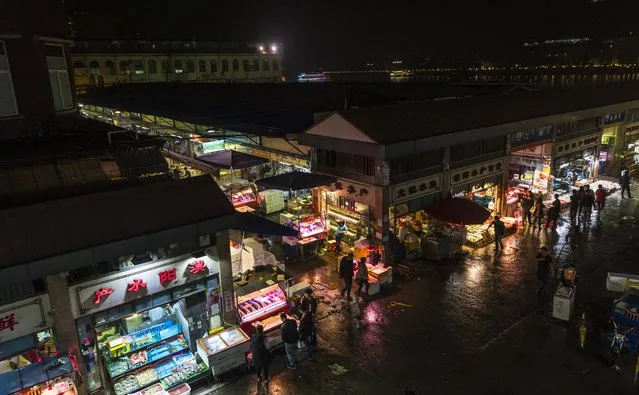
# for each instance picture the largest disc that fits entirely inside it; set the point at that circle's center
(486, 192)
(573, 170)
(355, 216)
(141, 344)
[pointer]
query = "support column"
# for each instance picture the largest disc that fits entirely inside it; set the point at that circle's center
(445, 193)
(226, 277)
(65, 333)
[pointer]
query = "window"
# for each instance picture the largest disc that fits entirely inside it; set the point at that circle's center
(265, 65)
(153, 67)
(79, 68)
(256, 65)
(417, 162)
(245, 65)
(177, 66)
(276, 65)
(109, 67)
(202, 66)
(213, 66)
(138, 67)
(61, 89)
(94, 68)
(225, 66)
(124, 67)
(8, 104)
(236, 65)
(350, 162)
(190, 66)
(165, 67)
(59, 76)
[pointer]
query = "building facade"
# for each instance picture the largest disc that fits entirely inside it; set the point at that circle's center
(34, 67)
(399, 159)
(119, 62)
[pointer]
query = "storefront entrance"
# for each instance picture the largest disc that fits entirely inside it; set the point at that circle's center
(138, 328)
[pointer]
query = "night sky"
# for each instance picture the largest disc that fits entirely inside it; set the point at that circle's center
(349, 33)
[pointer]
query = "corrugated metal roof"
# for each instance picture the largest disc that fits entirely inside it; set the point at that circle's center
(56, 227)
(416, 120)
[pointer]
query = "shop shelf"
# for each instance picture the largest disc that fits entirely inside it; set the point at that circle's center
(202, 370)
(179, 347)
(171, 331)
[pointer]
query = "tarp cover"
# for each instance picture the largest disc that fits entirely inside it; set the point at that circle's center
(255, 224)
(295, 181)
(458, 211)
(229, 159)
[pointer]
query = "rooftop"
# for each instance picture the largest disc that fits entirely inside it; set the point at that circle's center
(266, 109)
(415, 120)
(56, 227)
(164, 46)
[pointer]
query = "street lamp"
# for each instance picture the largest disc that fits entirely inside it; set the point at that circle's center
(273, 48)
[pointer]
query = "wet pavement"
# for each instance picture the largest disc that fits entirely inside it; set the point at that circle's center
(474, 325)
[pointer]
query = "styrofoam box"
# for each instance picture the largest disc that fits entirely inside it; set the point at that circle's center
(228, 365)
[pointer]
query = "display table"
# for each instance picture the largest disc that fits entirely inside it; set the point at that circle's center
(563, 302)
(224, 351)
(261, 304)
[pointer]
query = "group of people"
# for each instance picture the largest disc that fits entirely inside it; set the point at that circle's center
(292, 334)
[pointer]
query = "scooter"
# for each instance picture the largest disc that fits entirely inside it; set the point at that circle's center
(617, 343)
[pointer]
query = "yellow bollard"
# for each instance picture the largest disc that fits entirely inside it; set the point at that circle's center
(582, 331)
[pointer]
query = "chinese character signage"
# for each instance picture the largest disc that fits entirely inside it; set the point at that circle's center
(475, 173)
(25, 317)
(126, 286)
(416, 189)
(530, 136)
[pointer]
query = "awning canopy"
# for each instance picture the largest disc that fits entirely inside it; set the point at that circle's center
(256, 224)
(229, 159)
(458, 211)
(295, 181)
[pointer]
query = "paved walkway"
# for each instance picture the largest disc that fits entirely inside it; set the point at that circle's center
(474, 326)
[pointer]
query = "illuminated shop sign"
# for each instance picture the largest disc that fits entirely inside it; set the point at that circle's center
(577, 144)
(614, 118)
(416, 189)
(530, 136)
(122, 287)
(474, 173)
(24, 317)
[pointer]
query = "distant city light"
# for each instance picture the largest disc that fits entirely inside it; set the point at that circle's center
(274, 48)
(261, 48)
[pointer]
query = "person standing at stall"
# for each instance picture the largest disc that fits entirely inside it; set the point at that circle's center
(527, 202)
(309, 303)
(587, 203)
(538, 212)
(261, 356)
(346, 274)
(554, 213)
(580, 196)
(305, 331)
(624, 181)
(290, 338)
(600, 197)
(362, 277)
(339, 235)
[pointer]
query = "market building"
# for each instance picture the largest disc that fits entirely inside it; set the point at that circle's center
(105, 63)
(408, 156)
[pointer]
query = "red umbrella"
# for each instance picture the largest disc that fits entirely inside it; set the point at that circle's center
(458, 211)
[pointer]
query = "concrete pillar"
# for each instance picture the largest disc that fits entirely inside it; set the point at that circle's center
(445, 173)
(226, 277)
(65, 332)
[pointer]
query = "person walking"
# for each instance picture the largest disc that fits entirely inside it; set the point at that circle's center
(527, 201)
(309, 303)
(261, 356)
(305, 332)
(587, 203)
(574, 205)
(290, 337)
(544, 263)
(362, 277)
(600, 197)
(575, 238)
(580, 196)
(554, 213)
(346, 274)
(500, 230)
(538, 212)
(624, 181)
